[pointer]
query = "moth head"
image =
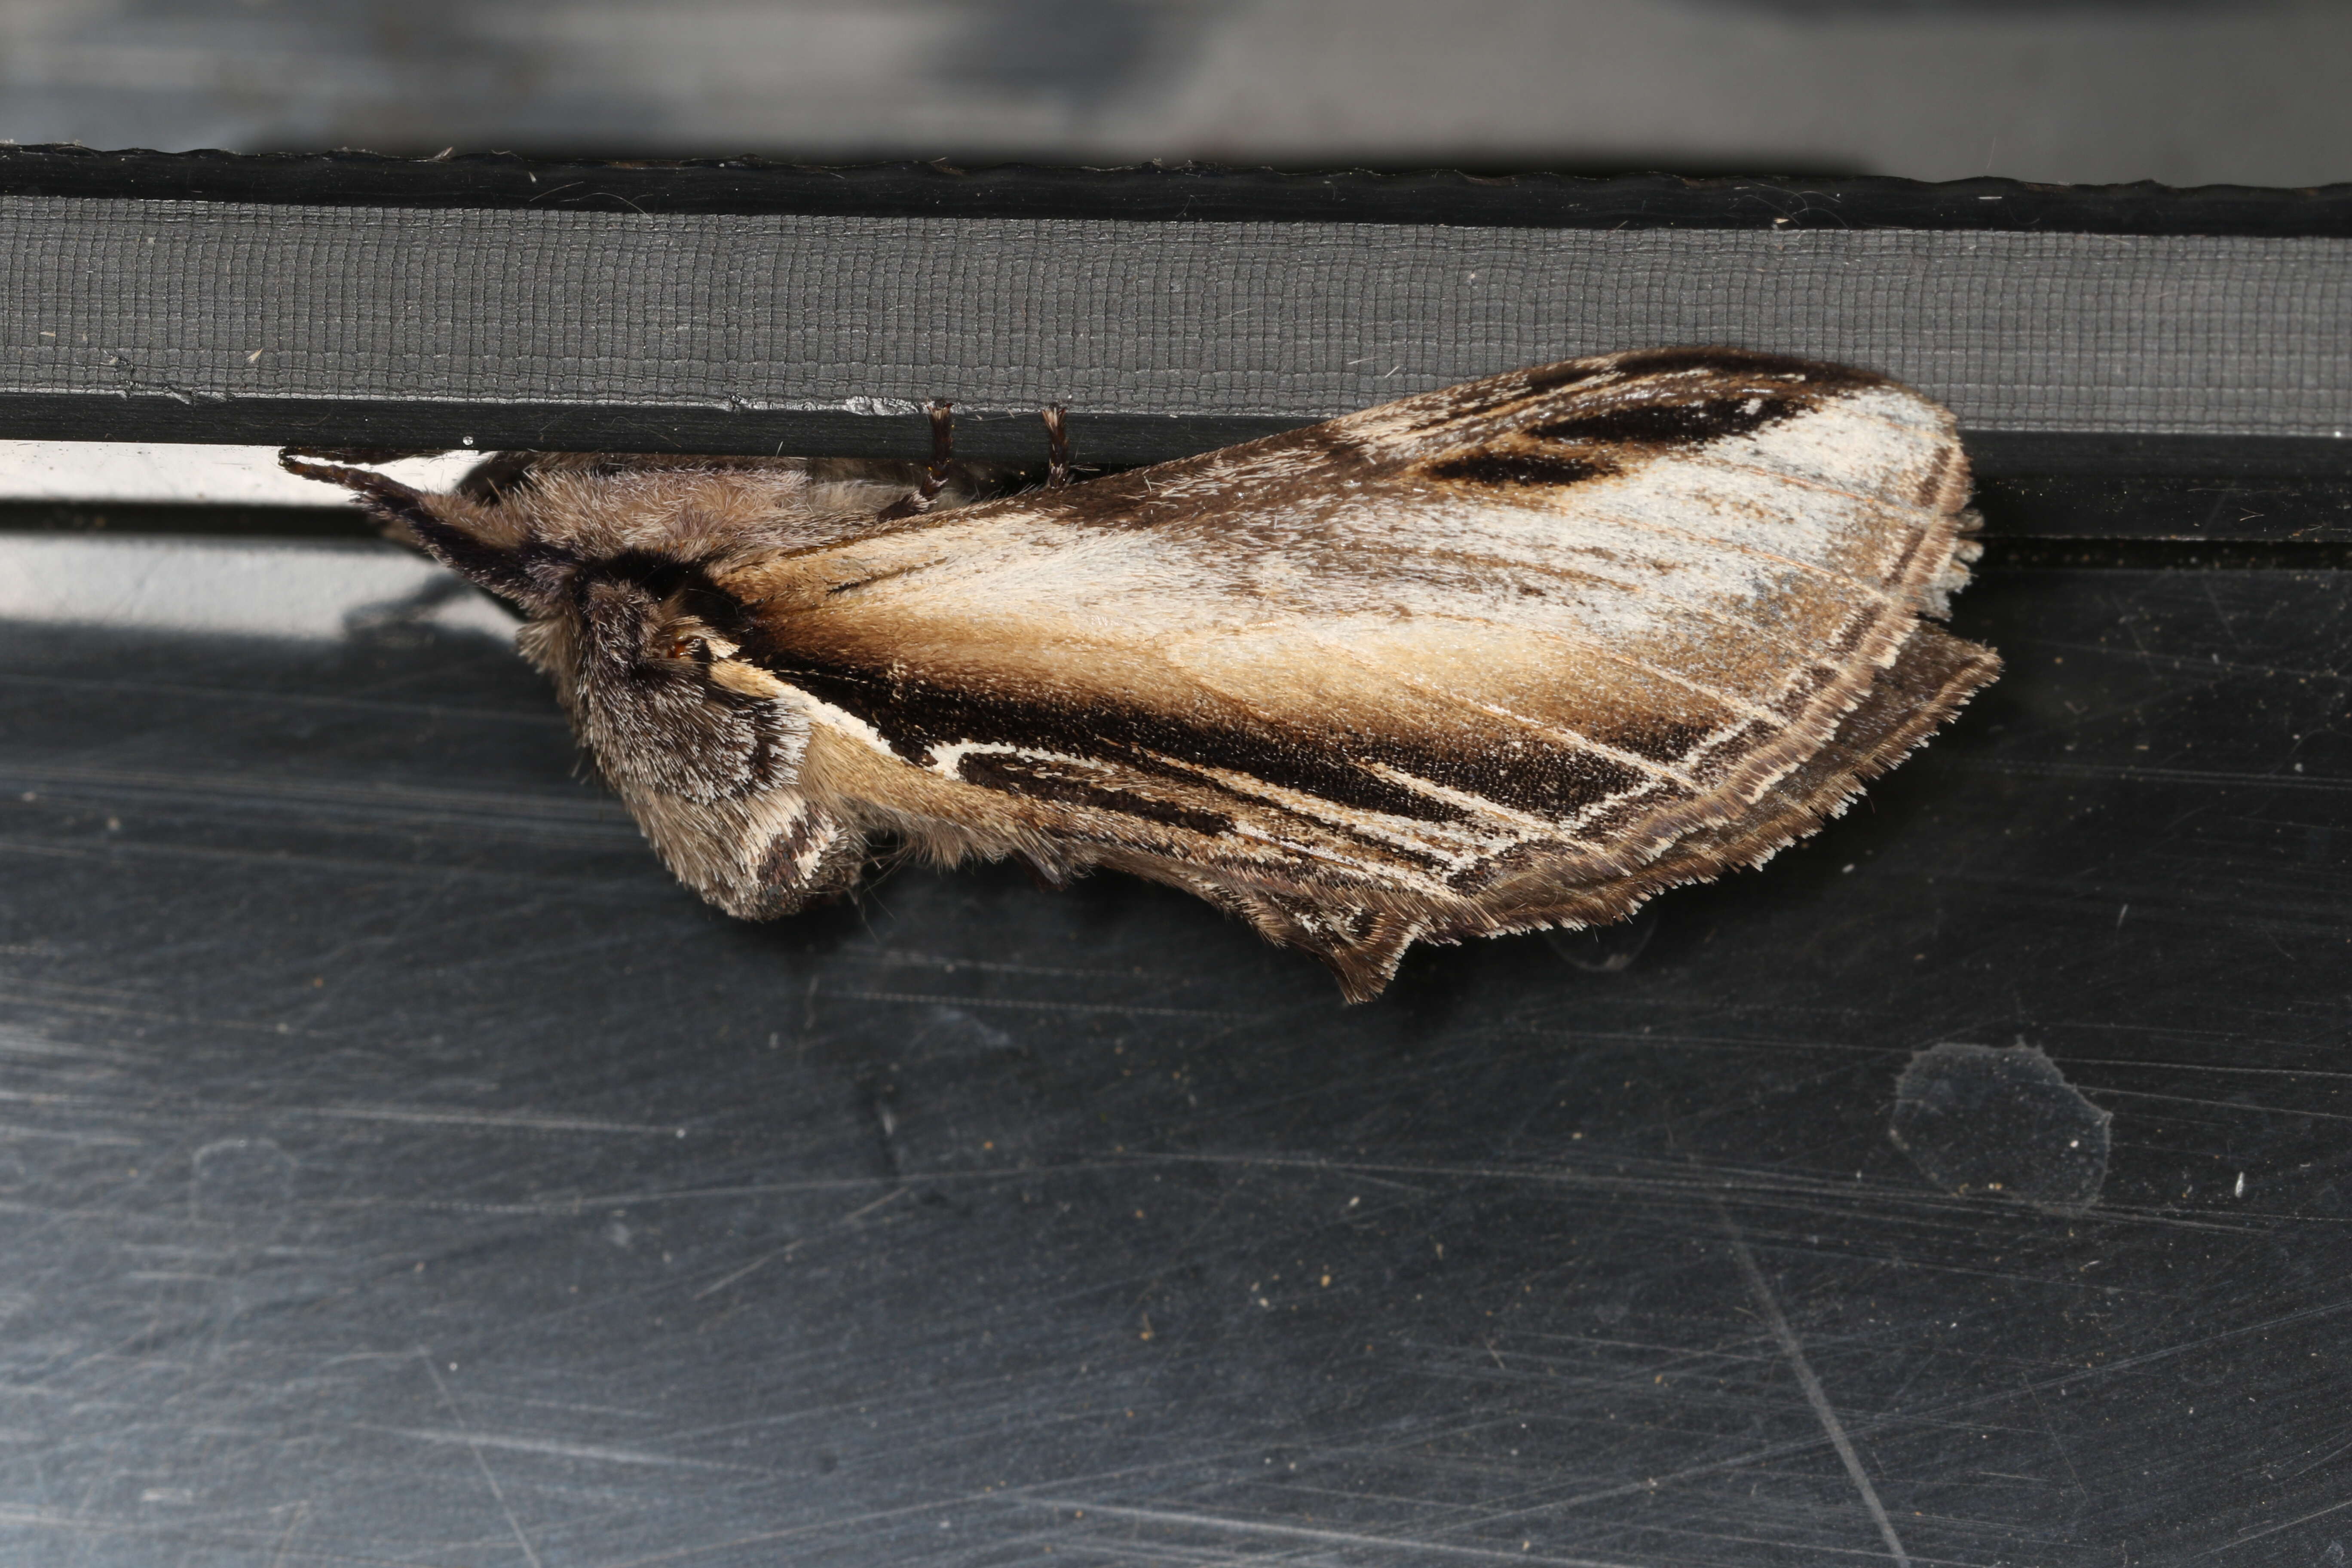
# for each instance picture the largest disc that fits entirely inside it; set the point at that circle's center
(642, 646)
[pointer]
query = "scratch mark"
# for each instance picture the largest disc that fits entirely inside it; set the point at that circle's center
(501, 1121)
(2051, 1428)
(389, 870)
(481, 1462)
(1815, 1394)
(575, 1203)
(864, 1209)
(2205, 665)
(2226, 1104)
(570, 809)
(751, 1268)
(2274, 1529)
(891, 957)
(681, 1553)
(1418, 1548)
(66, 999)
(2210, 778)
(1949, 1410)
(2228, 626)
(1624, 1178)
(11, 1130)
(560, 1450)
(2310, 1465)
(17, 1515)
(1119, 1008)
(301, 1516)
(2148, 1358)
(518, 1121)
(2169, 1065)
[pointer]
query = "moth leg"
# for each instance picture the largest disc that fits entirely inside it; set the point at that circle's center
(934, 477)
(1057, 446)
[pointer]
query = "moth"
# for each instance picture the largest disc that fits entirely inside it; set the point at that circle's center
(1514, 654)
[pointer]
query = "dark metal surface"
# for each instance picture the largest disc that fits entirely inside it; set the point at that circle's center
(396, 1167)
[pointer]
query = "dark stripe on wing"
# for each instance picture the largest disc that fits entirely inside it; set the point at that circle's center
(1662, 740)
(914, 715)
(1665, 424)
(1042, 779)
(1588, 382)
(1521, 468)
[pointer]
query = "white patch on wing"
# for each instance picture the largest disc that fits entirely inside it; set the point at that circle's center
(819, 712)
(1684, 549)
(1877, 444)
(947, 758)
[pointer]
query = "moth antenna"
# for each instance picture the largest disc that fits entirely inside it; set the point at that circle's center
(934, 477)
(361, 454)
(400, 508)
(1057, 446)
(407, 516)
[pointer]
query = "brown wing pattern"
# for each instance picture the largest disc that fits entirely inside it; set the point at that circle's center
(1514, 653)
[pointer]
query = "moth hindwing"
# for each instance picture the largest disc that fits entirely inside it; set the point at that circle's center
(1513, 654)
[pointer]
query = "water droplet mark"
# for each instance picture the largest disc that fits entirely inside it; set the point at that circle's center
(1986, 1120)
(244, 1184)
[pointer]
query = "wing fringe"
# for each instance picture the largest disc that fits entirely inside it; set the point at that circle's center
(1933, 677)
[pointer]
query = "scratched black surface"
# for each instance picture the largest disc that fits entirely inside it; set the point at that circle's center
(395, 1167)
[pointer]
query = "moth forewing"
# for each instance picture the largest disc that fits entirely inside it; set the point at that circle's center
(1515, 653)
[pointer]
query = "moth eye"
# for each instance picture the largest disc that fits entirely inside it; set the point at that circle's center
(685, 646)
